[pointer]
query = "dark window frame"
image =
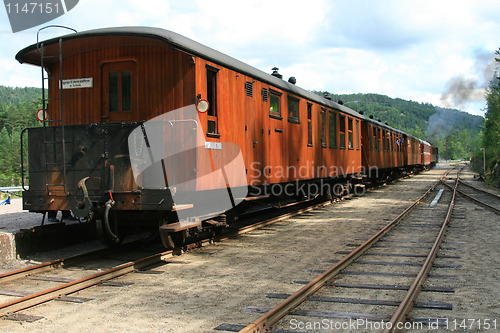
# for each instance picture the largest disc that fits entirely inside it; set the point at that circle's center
(293, 119)
(212, 113)
(379, 137)
(332, 143)
(114, 91)
(370, 136)
(119, 89)
(309, 125)
(342, 133)
(275, 94)
(323, 128)
(350, 133)
(375, 140)
(357, 134)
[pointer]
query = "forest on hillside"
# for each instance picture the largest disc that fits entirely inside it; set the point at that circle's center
(457, 134)
(18, 107)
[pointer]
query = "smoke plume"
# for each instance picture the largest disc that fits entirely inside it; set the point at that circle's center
(460, 89)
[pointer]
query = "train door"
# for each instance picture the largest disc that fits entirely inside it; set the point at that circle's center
(254, 141)
(404, 149)
(276, 149)
(366, 144)
(119, 91)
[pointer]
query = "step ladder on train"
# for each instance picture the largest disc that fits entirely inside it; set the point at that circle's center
(54, 139)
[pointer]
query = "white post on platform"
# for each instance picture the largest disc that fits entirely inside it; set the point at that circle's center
(436, 199)
(484, 161)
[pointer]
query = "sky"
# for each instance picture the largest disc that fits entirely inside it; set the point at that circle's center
(430, 51)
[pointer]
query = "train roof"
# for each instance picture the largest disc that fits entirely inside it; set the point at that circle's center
(30, 55)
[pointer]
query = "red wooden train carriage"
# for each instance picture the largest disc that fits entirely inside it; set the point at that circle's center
(383, 147)
(414, 154)
(426, 153)
(104, 84)
(434, 155)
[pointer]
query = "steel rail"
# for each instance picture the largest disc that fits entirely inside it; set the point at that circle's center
(479, 202)
(267, 320)
(401, 313)
(77, 285)
(49, 265)
(479, 190)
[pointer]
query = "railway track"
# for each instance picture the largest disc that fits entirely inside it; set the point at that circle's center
(66, 286)
(484, 198)
(404, 251)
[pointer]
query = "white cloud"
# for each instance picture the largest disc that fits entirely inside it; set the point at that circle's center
(398, 48)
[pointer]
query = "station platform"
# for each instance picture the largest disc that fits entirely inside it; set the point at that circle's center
(22, 233)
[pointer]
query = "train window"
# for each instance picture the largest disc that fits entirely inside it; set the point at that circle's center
(357, 134)
(333, 130)
(309, 125)
(384, 140)
(293, 110)
(113, 91)
(350, 134)
(323, 128)
(274, 108)
(374, 138)
(115, 80)
(118, 95)
(379, 132)
(212, 127)
(342, 131)
(370, 139)
(126, 91)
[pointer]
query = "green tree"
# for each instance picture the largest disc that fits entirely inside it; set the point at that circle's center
(491, 138)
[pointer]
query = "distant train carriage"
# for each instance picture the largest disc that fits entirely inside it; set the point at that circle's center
(384, 147)
(426, 153)
(434, 155)
(95, 152)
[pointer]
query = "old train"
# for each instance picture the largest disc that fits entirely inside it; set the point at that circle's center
(145, 128)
